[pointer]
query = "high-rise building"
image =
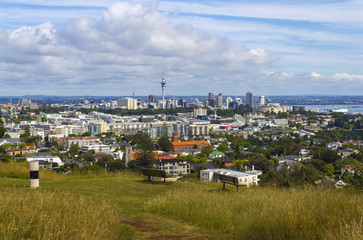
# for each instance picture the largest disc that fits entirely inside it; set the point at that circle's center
(152, 98)
(249, 99)
(262, 100)
(199, 111)
(228, 101)
(24, 101)
(239, 101)
(182, 102)
(220, 100)
(211, 100)
(128, 103)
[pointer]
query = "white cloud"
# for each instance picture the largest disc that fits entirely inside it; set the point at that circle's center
(347, 77)
(123, 50)
(345, 11)
(315, 75)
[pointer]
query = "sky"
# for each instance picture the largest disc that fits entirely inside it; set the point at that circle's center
(115, 48)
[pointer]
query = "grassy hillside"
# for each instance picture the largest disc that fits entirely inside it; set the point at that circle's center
(126, 206)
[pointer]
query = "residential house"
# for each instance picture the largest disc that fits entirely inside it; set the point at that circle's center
(95, 147)
(67, 142)
(215, 154)
(224, 162)
(190, 151)
(46, 161)
(173, 166)
(347, 152)
(340, 184)
(244, 178)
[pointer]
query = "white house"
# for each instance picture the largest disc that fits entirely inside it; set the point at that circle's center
(340, 184)
(43, 160)
(247, 178)
(333, 145)
(96, 147)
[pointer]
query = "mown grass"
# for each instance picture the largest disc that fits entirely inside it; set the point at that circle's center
(174, 210)
(31, 214)
(267, 213)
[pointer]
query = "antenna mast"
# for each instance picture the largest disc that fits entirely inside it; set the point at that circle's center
(163, 83)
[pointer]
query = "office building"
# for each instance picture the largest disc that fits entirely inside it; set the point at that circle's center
(128, 103)
(249, 99)
(220, 100)
(262, 101)
(228, 101)
(211, 100)
(152, 98)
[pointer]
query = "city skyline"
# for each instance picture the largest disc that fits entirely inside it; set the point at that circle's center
(272, 48)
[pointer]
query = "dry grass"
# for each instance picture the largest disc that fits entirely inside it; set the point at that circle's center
(32, 214)
(21, 170)
(267, 213)
(77, 208)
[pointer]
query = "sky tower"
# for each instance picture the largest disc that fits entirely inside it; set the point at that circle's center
(163, 83)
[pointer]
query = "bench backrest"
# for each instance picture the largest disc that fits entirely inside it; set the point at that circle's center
(228, 179)
(153, 172)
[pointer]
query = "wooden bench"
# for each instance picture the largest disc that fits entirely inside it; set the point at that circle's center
(149, 172)
(229, 180)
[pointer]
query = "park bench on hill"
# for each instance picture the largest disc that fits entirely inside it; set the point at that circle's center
(149, 172)
(229, 180)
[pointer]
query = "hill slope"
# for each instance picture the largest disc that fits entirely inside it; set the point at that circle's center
(126, 206)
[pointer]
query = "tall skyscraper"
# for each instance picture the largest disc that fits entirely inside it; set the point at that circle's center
(152, 98)
(249, 99)
(262, 100)
(211, 100)
(239, 101)
(228, 101)
(220, 100)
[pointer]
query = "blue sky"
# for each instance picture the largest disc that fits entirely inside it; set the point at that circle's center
(115, 48)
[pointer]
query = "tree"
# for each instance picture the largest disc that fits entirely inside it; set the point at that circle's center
(282, 115)
(239, 164)
(223, 147)
(74, 150)
(207, 150)
(119, 139)
(144, 142)
(357, 179)
(88, 156)
(328, 169)
(5, 158)
(200, 158)
(106, 158)
(6, 136)
(261, 162)
(44, 150)
(107, 162)
(237, 152)
(347, 176)
(116, 165)
(328, 156)
(164, 142)
(146, 158)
